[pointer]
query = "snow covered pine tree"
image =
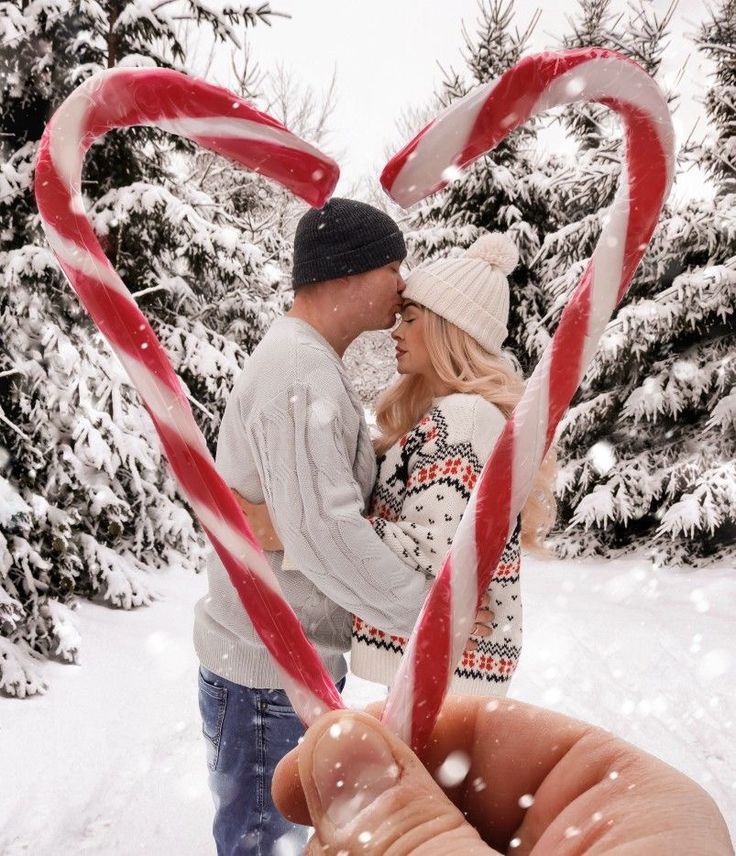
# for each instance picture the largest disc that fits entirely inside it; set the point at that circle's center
(648, 447)
(86, 503)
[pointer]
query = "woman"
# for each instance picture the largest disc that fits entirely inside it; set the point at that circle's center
(437, 426)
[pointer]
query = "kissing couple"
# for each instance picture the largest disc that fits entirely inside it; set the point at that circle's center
(355, 527)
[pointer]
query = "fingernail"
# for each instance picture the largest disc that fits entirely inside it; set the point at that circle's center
(353, 765)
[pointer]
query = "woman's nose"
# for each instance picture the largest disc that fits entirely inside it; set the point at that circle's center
(396, 332)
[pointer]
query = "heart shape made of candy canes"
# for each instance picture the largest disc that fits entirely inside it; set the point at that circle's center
(219, 120)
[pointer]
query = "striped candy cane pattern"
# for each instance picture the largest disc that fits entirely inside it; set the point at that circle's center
(463, 132)
(217, 120)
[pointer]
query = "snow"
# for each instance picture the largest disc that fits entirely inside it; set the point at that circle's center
(603, 457)
(597, 507)
(724, 413)
(111, 760)
(11, 502)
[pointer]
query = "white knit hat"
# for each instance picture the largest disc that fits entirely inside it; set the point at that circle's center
(470, 291)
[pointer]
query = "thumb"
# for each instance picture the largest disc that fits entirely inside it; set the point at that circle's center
(367, 792)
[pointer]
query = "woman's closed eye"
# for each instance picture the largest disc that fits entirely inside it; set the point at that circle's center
(409, 312)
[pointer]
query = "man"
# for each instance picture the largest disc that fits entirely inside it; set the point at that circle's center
(294, 436)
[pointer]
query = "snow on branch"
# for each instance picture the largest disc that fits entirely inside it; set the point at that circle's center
(723, 415)
(710, 504)
(642, 326)
(682, 382)
(119, 577)
(20, 670)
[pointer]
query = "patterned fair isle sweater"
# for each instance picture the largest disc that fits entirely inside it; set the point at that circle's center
(423, 486)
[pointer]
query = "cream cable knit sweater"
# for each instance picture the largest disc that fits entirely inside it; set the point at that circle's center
(293, 435)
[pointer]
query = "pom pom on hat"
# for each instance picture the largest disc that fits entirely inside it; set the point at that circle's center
(497, 249)
(471, 290)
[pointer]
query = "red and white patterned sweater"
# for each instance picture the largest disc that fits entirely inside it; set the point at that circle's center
(422, 489)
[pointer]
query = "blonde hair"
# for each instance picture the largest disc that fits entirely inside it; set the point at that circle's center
(464, 366)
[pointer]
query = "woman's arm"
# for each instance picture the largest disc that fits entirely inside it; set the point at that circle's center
(440, 476)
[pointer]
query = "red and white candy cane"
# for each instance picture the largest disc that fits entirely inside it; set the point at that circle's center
(218, 120)
(463, 132)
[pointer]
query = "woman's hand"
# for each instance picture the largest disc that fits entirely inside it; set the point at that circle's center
(259, 520)
(483, 621)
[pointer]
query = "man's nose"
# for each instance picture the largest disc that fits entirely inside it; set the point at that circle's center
(401, 285)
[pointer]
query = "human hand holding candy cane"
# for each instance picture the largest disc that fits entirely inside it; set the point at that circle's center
(466, 130)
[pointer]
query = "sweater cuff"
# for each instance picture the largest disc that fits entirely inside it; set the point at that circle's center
(373, 664)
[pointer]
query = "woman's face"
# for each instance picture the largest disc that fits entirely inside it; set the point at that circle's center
(412, 356)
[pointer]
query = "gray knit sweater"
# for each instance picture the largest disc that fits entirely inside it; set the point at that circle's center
(293, 435)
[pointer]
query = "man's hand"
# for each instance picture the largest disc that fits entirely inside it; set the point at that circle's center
(535, 783)
(260, 522)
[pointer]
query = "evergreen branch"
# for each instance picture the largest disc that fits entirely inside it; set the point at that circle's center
(717, 48)
(162, 3)
(18, 431)
(200, 406)
(151, 290)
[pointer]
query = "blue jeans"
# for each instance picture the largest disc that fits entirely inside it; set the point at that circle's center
(248, 731)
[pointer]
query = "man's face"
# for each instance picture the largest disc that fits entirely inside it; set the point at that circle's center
(377, 296)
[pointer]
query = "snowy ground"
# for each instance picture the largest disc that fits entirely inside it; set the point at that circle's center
(110, 760)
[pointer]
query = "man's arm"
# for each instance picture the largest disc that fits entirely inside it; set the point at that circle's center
(308, 483)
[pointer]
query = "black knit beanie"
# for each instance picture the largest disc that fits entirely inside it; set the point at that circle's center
(344, 238)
